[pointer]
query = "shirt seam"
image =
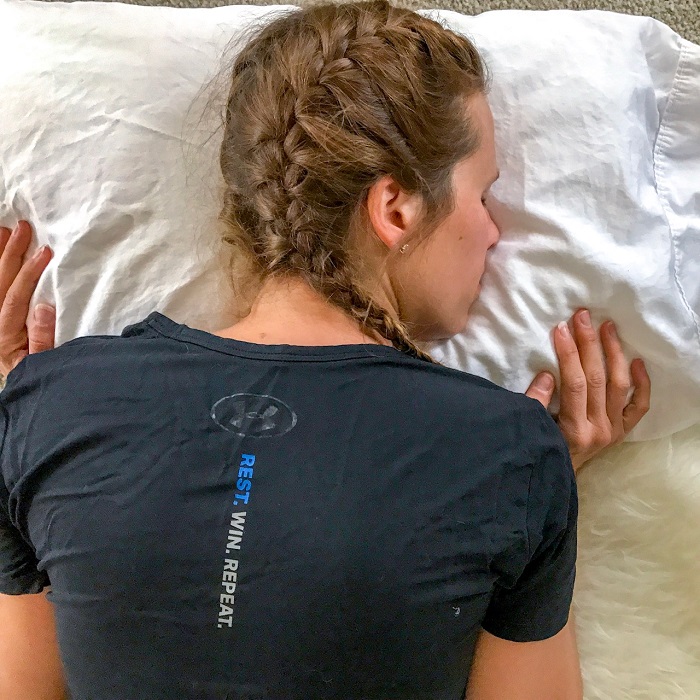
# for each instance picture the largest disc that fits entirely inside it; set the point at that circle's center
(498, 517)
(184, 335)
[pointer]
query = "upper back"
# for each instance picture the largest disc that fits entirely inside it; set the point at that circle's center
(280, 505)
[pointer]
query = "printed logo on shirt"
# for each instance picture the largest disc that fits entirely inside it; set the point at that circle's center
(253, 415)
(229, 577)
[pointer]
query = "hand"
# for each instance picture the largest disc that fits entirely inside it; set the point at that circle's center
(18, 338)
(594, 412)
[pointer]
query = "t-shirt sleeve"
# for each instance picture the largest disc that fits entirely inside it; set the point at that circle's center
(536, 606)
(18, 563)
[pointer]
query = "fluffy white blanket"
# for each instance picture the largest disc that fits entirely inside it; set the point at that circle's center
(637, 593)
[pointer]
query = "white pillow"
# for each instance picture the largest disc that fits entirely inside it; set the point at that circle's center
(598, 133)
(597, 119)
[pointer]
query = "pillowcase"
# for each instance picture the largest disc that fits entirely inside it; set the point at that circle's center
(106, 150)
(597, 121)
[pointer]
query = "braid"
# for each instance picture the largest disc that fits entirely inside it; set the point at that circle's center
(290, 229)
(311, 124)
(369, 314)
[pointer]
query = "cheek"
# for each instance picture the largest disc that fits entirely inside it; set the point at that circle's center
(472, 240)
(485, 227)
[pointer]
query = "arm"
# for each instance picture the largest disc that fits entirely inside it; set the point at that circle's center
(593, 414)
(31, 666)
(526, 648)
(544, 670)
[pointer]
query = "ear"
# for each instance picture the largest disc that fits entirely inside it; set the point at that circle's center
(392, 212)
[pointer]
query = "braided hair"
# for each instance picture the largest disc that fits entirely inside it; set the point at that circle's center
(323, 102)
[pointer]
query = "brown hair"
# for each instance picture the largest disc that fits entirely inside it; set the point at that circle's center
(323, 102)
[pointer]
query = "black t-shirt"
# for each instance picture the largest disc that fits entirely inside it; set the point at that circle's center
(219, 519)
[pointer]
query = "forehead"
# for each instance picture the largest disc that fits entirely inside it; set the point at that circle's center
(482, 118)
(480, 167)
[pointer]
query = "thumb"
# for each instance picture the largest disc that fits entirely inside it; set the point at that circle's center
(541, 388)
(42, 332)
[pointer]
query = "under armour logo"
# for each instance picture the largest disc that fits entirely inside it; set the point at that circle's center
(250, 416)
(253, 415)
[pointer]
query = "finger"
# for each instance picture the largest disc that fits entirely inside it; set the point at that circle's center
(15, 305)
(573, 389)
(593, 367)
(619, 381)
(5, 234)
(541, 388)
(639, 403)
(42, 331)
(13, 251)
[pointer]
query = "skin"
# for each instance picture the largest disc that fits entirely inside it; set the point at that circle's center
(432, 288)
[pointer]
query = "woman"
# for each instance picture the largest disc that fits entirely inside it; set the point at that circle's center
(305, 505)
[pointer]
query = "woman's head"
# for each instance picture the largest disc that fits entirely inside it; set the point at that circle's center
(354, 131)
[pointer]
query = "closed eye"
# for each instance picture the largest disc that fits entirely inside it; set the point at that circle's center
(483, 199)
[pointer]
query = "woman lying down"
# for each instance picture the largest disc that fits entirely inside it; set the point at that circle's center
(305, 505)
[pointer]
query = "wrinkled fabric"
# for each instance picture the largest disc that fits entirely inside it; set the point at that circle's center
(105, 149)
(597, 119)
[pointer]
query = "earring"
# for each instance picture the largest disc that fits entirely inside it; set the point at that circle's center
(402, 249)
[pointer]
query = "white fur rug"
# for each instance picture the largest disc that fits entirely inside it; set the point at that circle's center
(637, 594)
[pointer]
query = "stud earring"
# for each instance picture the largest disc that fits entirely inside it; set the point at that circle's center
(402, 249)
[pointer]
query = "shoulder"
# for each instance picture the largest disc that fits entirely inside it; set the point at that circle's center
(85, 352)
(447, 384)
(32, 372)
(514, 416)
(484, 427)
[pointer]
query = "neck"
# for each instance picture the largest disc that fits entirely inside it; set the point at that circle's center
(290, 312)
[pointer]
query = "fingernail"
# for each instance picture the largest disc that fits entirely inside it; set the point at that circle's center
(39, 252)
(585, 318)
(43, 315)
(544, 382)
(564, 329)
(612, 331)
